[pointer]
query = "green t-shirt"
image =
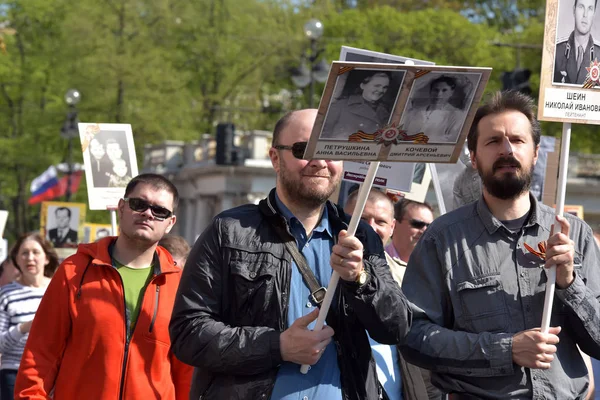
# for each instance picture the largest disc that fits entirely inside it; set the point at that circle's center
(134, 283)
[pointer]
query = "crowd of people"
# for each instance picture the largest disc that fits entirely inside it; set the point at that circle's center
(444, 308)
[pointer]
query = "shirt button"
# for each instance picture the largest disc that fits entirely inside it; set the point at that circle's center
(253, 274)
(305, 398)
(522, 274)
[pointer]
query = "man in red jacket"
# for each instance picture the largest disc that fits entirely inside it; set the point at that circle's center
(101, 331)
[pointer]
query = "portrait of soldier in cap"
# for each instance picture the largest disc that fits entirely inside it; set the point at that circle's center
(575, 52)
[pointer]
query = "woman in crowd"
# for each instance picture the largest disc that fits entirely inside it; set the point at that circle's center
(35, 258)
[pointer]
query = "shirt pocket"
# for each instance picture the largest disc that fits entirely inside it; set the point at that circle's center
(254, 283)
(483, 304)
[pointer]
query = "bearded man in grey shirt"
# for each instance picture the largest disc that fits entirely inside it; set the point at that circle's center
(478, 292)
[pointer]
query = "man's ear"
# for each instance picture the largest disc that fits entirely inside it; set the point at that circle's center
(473, 159)
(171, 224)
(536, 154)
(274, 156)
(120, 208)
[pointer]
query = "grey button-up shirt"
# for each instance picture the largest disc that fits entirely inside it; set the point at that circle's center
(473, 286)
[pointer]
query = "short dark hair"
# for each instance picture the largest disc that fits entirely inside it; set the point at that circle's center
(499, 102)
(280, 126)
(176, 245)
(63, 208)
(368, 78)
(51, 255)
(448, 80)
(157, 182)
(403, 205)
(374, 195)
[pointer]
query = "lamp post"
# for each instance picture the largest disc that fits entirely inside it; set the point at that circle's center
(70, 131)
(316, 70)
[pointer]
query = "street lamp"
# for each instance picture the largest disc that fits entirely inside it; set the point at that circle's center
(306, 75)
(70, 131)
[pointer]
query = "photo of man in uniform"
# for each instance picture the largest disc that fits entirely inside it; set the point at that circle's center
(575, 53)
(63, 235)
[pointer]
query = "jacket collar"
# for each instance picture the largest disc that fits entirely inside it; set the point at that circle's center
(337, 218)
(101, 251)
(492, 224)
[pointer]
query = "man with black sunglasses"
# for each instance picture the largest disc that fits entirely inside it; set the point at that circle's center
(477, 277)
(101, 331)
(252, 283)
(412, 219)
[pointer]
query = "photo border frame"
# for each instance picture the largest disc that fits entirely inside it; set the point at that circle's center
(372, 151)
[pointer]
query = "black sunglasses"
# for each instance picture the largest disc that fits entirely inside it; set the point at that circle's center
(141, 205)
(297, 149)
(418, 224)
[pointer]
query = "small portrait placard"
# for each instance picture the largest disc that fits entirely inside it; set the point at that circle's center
(109, 160)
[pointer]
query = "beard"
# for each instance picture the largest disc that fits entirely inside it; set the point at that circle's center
(509, 185)
(303, 192)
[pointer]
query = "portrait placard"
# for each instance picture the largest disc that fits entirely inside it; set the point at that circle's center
(570, 75)
(348, 53)
(109, 161)
(94, 232)
(576, 210)
(394, 112)
(62, 224)
(3, 219)
(421, 179)
(396, 176)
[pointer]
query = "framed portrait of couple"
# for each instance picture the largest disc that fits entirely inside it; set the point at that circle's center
(109, 160)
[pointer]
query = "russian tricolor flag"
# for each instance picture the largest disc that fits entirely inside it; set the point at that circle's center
(47, 186)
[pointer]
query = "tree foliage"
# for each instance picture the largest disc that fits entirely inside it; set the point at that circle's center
(173, 69)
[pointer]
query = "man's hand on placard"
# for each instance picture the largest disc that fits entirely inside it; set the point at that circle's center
(534, 349)
(346, 257)
(560, 251)
(301, 345)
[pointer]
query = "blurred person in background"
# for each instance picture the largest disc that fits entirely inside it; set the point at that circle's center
(178, 247)
(8, 272)
(412, 220)
(36, 260)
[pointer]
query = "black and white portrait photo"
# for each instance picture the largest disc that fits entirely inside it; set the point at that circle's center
(109, 159)
(62, 222)
(576, 47)
(438, 105)
(363, 100)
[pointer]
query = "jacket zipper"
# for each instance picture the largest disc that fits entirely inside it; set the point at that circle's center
(127, 339)
(155, 308)
(129, 332)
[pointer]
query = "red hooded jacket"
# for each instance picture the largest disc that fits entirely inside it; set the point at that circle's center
(78, 343)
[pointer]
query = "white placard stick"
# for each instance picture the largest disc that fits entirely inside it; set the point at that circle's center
(437, 188)
(560, 206)
(113, 221)
(361, 200)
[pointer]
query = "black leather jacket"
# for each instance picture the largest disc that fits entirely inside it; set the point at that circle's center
(232, 306)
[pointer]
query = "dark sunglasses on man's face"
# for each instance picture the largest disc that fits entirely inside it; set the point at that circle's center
(297, 149)
(418, 224)
(141, 205)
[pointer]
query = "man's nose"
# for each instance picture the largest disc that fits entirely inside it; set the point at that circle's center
(506, 146)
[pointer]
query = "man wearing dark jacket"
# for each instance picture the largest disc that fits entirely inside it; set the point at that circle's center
(244, 312)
